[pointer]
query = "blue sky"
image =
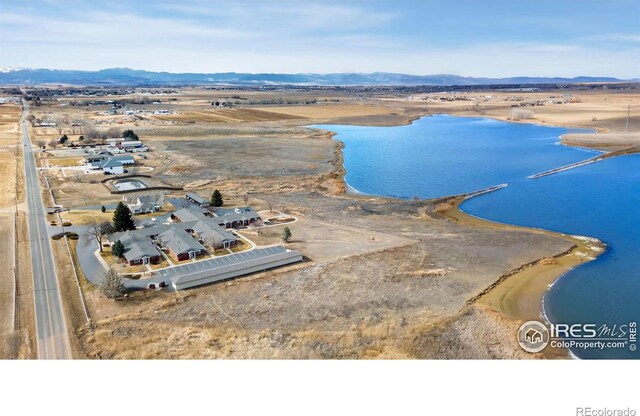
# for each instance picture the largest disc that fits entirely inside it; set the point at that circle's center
(473, 38)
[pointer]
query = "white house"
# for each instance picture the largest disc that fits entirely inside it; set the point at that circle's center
(124, 159)
(143, 204)
(113, 167)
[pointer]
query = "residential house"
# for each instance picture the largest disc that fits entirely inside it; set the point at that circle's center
(124, 159)
(205, 227)
(144, 204)
(112, 167)
(235, 217)
(197, 199)
(138, 248)
(181, 245)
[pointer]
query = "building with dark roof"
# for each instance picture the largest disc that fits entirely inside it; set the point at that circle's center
(197, 199)
(181, 245)
(205, 227)
(144, 204)
(235, 217)
(138, 248)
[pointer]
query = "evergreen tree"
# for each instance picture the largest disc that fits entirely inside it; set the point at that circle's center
(117, 249)
(216, 199)
(122, 218)
(103, 209)
(129, 135)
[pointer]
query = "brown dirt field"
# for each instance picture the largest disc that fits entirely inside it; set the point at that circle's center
(324, 111)
(605, 112)
(9, 154)
(226, 116)
(603, 141)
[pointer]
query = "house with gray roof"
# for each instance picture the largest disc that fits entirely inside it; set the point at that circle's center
(181, 245)
(197, 199)
(144, 204)
(138, 248)
(205, 227)
(112, 167)
(124, 159)
(235, 217)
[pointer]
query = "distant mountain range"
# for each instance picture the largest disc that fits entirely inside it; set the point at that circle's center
(126, 76)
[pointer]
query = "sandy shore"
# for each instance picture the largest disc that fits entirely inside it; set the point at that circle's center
(518, 294)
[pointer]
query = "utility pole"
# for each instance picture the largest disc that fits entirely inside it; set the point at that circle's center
(626, 126)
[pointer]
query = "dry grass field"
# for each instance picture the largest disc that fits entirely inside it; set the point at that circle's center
(382, 278)
(19, 343)
(10, 155)
(331, 111)
(231, 115)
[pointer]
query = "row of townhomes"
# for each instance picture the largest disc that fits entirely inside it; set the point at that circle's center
(190, 232)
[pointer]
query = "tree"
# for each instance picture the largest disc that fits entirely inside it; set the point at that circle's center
(81, 138)
(117, 249)
(103, 209)
(245, 199)
(114, 132)
(98, 231)
(122, 218)
(130, 135)
(63, 139)
(216, 199)
(112, 286)
(286, 235)
(270, 205)
(53, 143)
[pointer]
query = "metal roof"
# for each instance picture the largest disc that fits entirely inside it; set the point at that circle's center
(125, 158)
(220, 267)
(197, 198)
(111, 164)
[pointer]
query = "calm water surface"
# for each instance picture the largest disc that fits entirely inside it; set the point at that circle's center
(443, 155)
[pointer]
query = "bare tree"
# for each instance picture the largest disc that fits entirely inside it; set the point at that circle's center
(270, 205)
(245, 199)
(53, 143)
(521, 114)
(99, 230)
(41, 144)
(60, 121)
(90, 132)
(114, 132)
(112, 286)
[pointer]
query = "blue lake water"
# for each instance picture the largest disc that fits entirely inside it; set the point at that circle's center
(444, 155)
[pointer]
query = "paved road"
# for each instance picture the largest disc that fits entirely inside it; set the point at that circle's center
(51, 329)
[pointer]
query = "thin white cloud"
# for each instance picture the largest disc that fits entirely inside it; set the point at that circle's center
(270, 37)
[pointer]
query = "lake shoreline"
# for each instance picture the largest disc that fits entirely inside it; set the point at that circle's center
(518, 294)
